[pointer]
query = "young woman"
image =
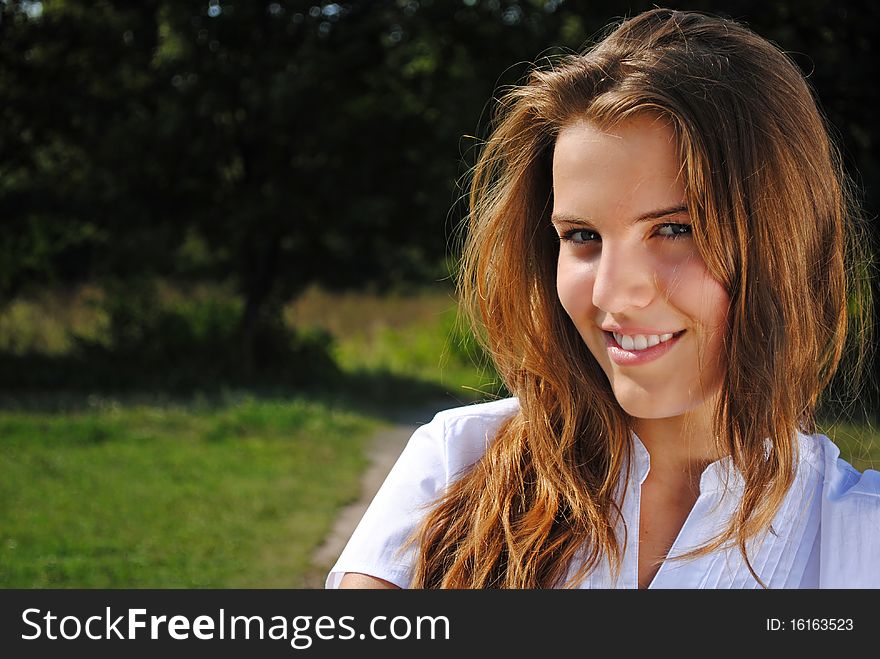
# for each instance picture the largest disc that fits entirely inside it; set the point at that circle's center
(663, 255)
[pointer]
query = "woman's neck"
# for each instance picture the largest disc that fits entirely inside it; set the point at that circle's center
(680, 447)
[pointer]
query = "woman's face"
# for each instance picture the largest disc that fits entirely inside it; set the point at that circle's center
(629, 265)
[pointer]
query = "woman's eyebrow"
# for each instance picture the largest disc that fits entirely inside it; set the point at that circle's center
(567, 218)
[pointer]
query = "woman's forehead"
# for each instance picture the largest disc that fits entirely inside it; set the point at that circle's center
(630, 169)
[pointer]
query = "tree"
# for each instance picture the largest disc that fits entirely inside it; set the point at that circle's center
(283, 143)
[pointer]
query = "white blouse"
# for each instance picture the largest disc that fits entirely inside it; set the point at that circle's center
(825, 535)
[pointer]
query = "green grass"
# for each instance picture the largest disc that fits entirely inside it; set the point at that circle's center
(417, 336)
(234, 495)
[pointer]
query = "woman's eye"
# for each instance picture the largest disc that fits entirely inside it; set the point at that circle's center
(674, 230)
(670, 230)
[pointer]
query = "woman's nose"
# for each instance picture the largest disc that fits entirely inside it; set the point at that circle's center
(624, 280)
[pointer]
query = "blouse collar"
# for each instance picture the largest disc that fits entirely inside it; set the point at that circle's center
(712, 479)
(721, 471)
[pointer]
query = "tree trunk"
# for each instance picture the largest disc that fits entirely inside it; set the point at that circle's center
(258, 282)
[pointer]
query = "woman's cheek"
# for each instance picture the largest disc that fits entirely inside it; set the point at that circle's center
(574, 286)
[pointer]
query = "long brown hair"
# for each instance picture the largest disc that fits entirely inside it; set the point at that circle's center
(774, 220)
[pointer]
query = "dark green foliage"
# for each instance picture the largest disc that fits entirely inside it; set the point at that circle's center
(278, 144)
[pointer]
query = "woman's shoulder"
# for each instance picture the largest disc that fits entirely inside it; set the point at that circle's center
(464, 433)
(841, 482)
(437, 453)
(476, 417)
(849, 517)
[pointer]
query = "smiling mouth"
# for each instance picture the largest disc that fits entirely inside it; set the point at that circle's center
(671, 337)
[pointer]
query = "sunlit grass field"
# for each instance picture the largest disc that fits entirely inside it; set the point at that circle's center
(420, 335)
(229, 489)
(235, 489)
(230, 494)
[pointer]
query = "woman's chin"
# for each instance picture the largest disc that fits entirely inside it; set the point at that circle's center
(643, 406)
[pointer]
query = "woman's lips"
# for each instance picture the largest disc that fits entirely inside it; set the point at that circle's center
(623, 357)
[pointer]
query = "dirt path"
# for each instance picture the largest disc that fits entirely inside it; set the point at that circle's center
(382, 450)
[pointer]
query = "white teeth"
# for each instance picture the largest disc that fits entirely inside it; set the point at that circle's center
(640, 341)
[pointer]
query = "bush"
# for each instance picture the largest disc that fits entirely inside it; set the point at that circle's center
(177, 344)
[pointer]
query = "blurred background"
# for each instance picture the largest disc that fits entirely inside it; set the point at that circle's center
(227, 245)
